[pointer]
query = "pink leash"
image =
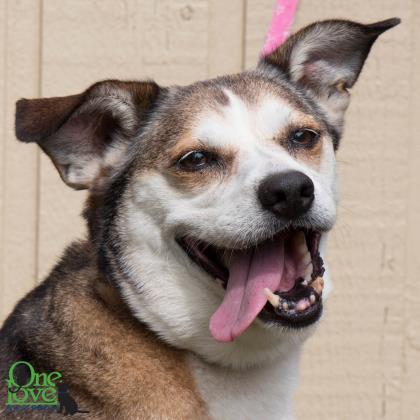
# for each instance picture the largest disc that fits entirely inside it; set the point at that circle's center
(280, 26)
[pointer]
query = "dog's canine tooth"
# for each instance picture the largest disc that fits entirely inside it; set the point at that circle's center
(312, 299)
(302, 249)
(307, 279)
(307, 258)
(300, 241)
(318, 285)
(285, 305)
(308, 270)
(272, 298)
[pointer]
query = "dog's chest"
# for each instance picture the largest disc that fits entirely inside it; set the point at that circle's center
(258, 393)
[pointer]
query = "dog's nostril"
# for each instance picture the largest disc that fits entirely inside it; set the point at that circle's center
(280, 196)
(287, 194)
(307, 190)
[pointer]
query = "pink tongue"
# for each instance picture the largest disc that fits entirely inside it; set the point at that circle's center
(251, 272)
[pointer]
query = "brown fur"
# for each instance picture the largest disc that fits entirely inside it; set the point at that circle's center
(115, 367)
(311, 156)
(73, 129)
(75, 322)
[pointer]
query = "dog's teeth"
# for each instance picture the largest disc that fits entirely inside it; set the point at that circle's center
(285, 306)
(318, 285)
(300, 237)
(312, 299)
(302, 249)
(272, 298)
(307, 258)
(300, 242)
(307, 279)
(302, 305)
(308, 270)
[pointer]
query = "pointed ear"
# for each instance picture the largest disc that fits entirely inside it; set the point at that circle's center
(325, 59)
(86, 135)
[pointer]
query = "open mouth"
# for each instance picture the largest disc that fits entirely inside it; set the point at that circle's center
(278, 280)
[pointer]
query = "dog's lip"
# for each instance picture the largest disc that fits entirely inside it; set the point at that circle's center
(208, 258)
(200, 255)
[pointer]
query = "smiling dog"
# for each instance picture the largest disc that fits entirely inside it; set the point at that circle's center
(208, 213)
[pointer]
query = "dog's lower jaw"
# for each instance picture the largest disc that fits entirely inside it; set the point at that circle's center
(176, 299)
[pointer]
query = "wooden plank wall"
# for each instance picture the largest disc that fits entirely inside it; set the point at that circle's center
(364, 362)
(19, 194)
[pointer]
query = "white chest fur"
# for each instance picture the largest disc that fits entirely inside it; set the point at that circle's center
(264, 392)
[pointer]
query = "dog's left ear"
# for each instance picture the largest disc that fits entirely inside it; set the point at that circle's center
(325, 59)
(87, 135)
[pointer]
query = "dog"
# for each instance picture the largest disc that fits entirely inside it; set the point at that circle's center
(209, 208)
(67, 404)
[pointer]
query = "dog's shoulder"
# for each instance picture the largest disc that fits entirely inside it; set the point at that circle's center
(75, 322)
(34, 313)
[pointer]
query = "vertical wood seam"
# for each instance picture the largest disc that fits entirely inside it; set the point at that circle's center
(3, 157)
(410, 217)
(244, 31)
(209, 40)
(38, 152)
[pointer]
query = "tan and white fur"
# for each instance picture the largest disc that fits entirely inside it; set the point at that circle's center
(122, 141)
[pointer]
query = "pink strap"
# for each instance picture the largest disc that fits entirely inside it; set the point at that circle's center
(280, 26)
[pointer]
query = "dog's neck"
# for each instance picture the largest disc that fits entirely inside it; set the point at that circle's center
(259, 392)
(263, 391)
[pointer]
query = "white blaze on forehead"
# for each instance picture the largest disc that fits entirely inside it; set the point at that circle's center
(271, 116)
(242, 124)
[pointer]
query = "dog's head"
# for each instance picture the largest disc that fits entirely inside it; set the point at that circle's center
(210, 203)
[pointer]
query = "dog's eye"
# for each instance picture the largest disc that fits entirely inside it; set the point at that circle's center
(304, 137)
(195, 161)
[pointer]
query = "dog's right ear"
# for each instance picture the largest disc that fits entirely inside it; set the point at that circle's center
(86, 135)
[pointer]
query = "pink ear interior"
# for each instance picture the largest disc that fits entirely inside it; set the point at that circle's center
(280, 26)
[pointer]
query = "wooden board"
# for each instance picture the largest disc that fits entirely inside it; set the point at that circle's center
(19, 163)
(364, 362)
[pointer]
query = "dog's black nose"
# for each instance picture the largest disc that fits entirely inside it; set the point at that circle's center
(287, 194)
